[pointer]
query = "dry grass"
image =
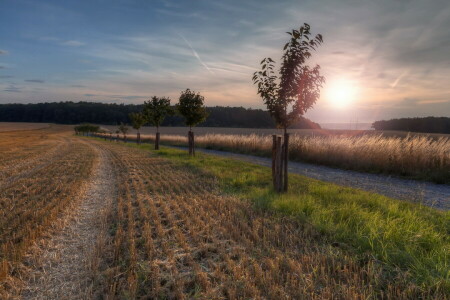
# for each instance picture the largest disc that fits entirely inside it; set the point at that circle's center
(175, 236)
(419, 156)
(42, 172)
(19, 126)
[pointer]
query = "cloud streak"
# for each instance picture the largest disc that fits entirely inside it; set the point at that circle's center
(73, 43)
(34, 80)
(196, 54)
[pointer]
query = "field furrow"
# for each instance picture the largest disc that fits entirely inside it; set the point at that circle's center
(35, 195)
(174, 235)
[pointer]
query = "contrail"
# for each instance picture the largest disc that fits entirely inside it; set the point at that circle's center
(196, 54)
(394, 84)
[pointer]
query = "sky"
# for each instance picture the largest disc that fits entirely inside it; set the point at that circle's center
(381, 59)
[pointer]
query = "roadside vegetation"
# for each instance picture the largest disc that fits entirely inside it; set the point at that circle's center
(417, 157)
(213, 227)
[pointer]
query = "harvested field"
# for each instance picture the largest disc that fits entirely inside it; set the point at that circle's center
(155, 228)
(42, 174)
(175, 235)
(19, 126)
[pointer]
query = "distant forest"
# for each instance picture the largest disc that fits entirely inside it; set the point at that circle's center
(428, 124)
(113, 114)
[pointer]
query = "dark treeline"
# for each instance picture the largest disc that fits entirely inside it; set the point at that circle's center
(113, 114)
(428, 124)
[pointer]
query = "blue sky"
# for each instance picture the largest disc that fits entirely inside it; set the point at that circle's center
(387, 58)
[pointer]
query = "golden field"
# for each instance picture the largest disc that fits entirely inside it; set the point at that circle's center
(173, 232)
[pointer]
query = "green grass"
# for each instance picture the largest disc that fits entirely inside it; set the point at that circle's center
(405, 237)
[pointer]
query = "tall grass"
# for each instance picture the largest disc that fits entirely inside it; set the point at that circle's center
(418, 157)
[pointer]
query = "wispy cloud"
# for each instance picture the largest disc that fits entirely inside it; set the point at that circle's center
(196, 54)
(78, 85)
(13, 89)
(3, 52)
(73, 43)
(433, 101)
(6, 76)
(35, 80)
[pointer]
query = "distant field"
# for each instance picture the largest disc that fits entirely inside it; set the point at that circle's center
(12, 126)
(199, 131)
(418, 156)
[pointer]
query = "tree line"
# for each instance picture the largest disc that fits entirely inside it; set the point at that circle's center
(427, 124)
(115, 114)
(190, 108)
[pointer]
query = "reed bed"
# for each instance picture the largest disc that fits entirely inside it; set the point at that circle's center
(418, 157)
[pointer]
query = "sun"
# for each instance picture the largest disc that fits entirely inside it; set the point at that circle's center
(341, 93)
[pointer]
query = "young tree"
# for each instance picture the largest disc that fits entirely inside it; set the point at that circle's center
(137, 121)
(155, 111)
(291, 93)
(191, 107)
(117, 135)
(124, 129)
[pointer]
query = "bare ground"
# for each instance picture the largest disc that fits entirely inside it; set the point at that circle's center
(63, 268)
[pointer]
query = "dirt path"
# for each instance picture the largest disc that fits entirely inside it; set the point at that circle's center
(62, 268)
(427, 193)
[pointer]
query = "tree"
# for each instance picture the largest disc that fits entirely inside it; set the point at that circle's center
(86, 128)
(137, 121)
(191, 107)
(155, 111)
(124, 129)
(291, 93)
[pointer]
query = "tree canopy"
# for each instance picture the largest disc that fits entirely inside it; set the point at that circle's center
(156, 109)
(123, 128)
(297, 87)
(191, 107)
(428, 124)
(137, 120)
(86, 128)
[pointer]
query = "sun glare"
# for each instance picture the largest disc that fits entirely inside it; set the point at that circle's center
(341, 93)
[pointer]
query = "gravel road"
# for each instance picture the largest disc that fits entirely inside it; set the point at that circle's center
(427, 193)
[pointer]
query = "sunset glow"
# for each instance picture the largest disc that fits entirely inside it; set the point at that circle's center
(341, 94)
(68, 50)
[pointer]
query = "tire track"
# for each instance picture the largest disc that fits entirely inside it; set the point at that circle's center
(62, 270)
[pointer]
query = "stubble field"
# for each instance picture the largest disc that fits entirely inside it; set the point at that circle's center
(173, 231)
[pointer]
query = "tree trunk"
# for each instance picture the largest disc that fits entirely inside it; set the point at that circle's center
(278, 167)
(286, 159)
(190, 142)
(124, 138)
(138, 138)
(274, 155)
(157, 141)
(193, 143)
